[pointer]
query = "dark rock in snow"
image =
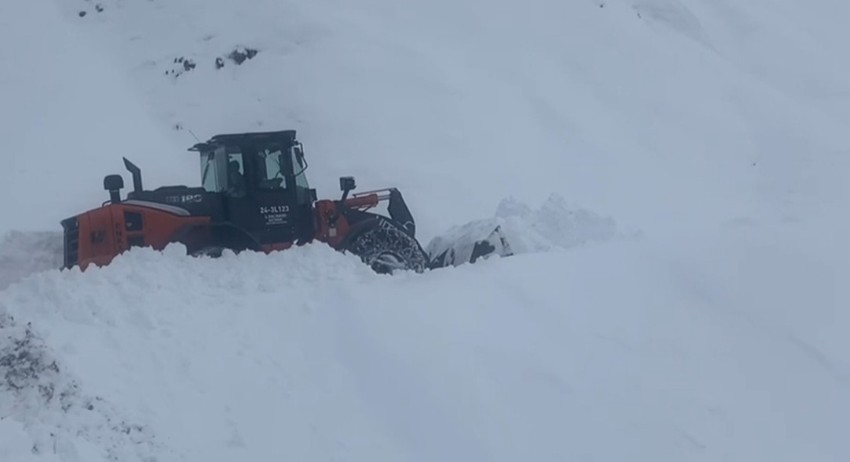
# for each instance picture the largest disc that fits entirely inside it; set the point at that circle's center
(183, 64)
(240, 55)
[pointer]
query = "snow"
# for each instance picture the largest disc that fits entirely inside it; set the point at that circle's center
(517, 229)
(669, 172)
(307, 354)
(615, 108)
(68, 114)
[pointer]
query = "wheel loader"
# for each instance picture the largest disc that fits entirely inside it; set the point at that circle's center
(254, 195)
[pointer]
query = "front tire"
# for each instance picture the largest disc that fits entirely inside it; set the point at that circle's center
(387, 248)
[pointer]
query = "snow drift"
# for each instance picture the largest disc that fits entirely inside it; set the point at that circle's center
(307, 354)
(517, 229)
(47, 416)
(555, 225)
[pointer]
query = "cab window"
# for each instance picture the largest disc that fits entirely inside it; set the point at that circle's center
(270, 172)
(209, 173)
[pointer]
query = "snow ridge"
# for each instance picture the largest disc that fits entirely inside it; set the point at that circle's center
(555, 225)
(61, 419)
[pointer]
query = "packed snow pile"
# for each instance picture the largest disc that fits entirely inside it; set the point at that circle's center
(309, 355)
(44, 414)
(519, 229)
(516, 228)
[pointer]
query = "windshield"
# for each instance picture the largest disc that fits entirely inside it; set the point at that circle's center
(223, 170)
(239, 169)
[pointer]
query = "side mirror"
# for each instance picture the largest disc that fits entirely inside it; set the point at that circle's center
(346, 184)
(114, 184)
(298, 151)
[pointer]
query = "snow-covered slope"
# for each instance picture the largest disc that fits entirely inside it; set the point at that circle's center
(683, 298)
(67, 116)
(660, 112)
(618, 352)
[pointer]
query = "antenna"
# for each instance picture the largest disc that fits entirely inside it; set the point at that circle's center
(193, 135)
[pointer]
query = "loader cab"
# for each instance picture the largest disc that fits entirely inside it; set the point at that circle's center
(261, 178)
(241, 164)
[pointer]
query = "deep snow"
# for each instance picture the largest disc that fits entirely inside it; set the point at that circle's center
(556, 356)
(680, 295)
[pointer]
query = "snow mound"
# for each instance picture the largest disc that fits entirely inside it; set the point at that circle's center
(555, 225)
(57, 419)
(72, 342)
(309, 355)
(25, 253)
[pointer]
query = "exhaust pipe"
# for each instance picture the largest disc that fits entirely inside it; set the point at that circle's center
(137, 175)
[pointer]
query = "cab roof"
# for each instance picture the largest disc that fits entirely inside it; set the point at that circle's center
(282, 136)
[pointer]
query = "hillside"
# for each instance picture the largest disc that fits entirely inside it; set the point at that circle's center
(672, 170)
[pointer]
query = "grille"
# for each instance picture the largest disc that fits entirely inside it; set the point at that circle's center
(71, 253)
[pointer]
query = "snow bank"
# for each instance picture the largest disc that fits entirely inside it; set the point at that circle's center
(43, 411)
(556, 224)
(516, 228)
(632, 350)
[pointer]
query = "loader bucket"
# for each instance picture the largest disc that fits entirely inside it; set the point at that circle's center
(468, 246)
